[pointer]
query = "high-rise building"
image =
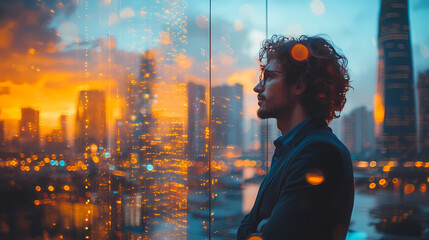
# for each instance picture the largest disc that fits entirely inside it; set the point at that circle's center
(423, 91)
(90, 126)
(197, 122)
(2, 136)
(62, 122)
(137, 148)
(138, 117)
(358, 132)
(29, 136)
(56, 141)
(227, 119)
(394, 109)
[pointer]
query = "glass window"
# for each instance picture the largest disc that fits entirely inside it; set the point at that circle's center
(137, 119)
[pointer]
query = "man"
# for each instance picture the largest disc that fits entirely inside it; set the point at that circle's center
(309, 190)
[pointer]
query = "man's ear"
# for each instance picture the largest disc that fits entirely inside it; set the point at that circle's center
(300, 87)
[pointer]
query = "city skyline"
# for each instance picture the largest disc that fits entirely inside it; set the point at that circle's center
(38, 85)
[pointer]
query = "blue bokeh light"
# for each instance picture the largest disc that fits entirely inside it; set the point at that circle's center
(149, 167)
(52, 162)
(107, 155)
(62, 163)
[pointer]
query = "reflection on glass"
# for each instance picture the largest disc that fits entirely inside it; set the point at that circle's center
(108, 115)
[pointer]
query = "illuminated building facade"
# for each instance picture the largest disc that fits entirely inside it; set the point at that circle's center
(358, 132)
(227, 119)
(197, 150)
(138, 149)
(29, 136)
(90, 120)
(394, 109)
(139, 107)
(423, 98)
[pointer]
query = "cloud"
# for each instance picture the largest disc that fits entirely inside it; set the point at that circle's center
(126, 13)
(24, 24)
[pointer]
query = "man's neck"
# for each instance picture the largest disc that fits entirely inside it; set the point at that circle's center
(287, 121)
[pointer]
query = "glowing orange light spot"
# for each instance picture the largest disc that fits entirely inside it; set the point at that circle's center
(36, 202)
(314, 177)
(32, 51)
(94, 148)
(395, 180)
(36, 168)
(423, 188)
(386, 168)
(373, 163)
(372, 185)
(38, 188)
(66, 187)
(255, 238)
(382, 181)
(95, 159)
(299, 52)
(419, 164)
(409, 188)
(51, 188)
(378, 109)
(46, 160)
(133, 160)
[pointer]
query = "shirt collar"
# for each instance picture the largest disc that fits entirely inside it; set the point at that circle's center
(285, 139)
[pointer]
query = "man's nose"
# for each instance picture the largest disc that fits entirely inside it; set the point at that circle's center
(258, 88)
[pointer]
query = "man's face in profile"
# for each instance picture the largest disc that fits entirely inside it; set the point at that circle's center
(275, 97)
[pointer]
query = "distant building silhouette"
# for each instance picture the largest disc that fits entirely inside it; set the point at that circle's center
(29, 135)
(56, 141)
(139, 102)
(2, 137)
(423, 98)
(197, 121)
(227, 119)
(394, 100)
(90, 120)
(358, 132)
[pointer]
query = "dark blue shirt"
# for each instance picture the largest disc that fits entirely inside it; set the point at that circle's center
(281, 142)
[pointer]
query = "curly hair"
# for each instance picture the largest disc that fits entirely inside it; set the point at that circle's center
(323, 69)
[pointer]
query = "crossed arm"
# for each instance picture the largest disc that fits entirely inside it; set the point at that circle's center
(302, 209)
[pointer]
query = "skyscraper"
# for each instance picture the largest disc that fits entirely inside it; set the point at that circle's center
(62, 121)
(197, 121)
(394, 109)
(139, 108)
(29, 136)
(90, 120)
(138, 151)
(227, 118)
(56, 142)
(358, 132)
(2, 136)
(423, 91)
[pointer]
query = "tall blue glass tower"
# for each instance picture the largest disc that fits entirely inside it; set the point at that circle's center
(394, 109)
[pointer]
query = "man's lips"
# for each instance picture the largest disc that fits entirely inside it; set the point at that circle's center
(260, 100)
